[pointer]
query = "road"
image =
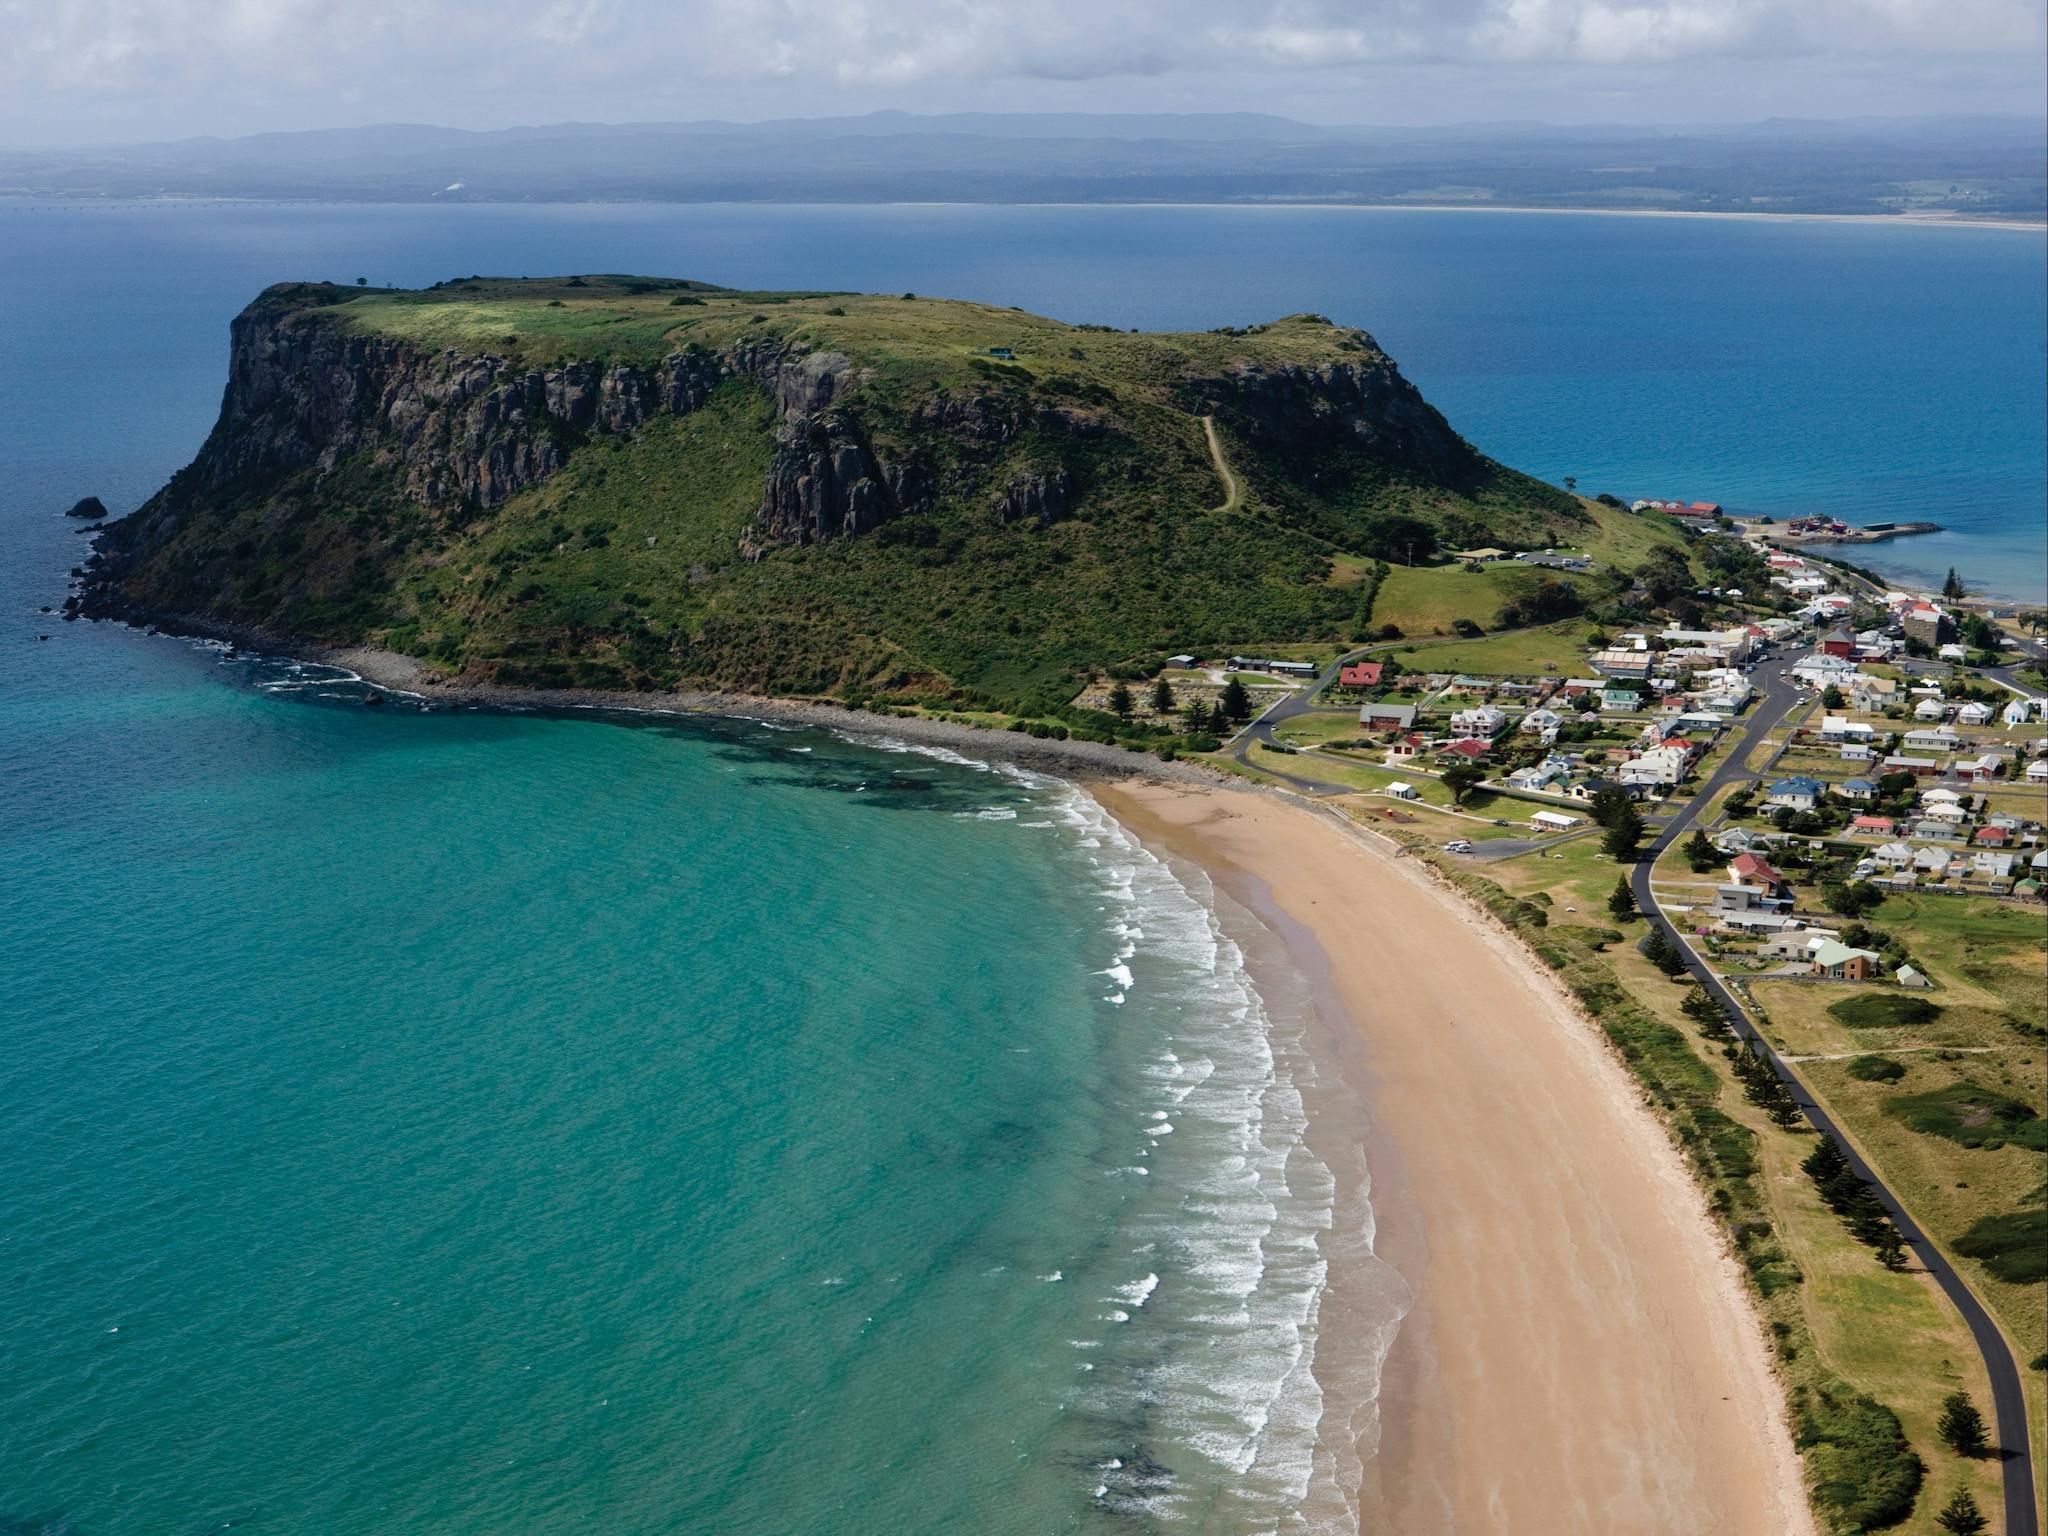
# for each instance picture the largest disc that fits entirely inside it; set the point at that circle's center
(1778, 696)
(2008, 1400)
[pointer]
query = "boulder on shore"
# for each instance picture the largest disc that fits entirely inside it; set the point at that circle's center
(90, 506)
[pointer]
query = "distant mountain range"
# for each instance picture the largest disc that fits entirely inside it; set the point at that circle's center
(1989, 167)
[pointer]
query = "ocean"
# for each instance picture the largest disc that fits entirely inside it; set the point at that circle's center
(500, 1123)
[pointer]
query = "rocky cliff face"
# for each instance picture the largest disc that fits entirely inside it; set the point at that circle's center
(478, 428)
(1297, 408)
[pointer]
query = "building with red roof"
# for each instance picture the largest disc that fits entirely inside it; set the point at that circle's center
(1361, 674)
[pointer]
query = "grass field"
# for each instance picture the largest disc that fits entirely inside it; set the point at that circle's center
(1553, 648)
(1889, 1335)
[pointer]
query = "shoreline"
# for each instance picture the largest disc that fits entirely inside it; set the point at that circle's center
(1912, 220)
(1583, 1353)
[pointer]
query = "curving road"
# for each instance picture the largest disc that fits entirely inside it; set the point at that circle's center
(1778, 696)
(2008, 1398)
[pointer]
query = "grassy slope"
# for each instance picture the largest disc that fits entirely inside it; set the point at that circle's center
(625, 568)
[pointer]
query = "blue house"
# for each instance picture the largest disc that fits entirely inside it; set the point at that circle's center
(1795, 794)
(1862, 791)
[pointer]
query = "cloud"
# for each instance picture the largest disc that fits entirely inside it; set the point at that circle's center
(539, 60)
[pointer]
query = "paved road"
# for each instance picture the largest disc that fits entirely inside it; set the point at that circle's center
(2009, 1407)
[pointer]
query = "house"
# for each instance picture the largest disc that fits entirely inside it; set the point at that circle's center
(1662, 764)
(1578, 687)
(1797, 793)
(1839, 962)
(1919, 767)
(1992, 837)
(1182, 661)
(1381, 716)
(2015, 712)
(1819, 671)
(1873, 695)
(1619, 698)
(2037, 771)
(1586, 789)
(1874, 826)
(1361, 674)
(1928, 624)
(1893, 856)
(1005, 353)
(1402, 791)
(1972, 770)
(1854, 752)
(1842, 728)
(1471, 749)
(1932, 739)
(1537, 721)
(1794, 944)
(1553, 821)
(1953, 651)
(1906, 976)
(1482, 720)
(1752, 869)
(1739, 898)
(1973, 712)
(1937, 831)
(1540, 776)
(1633, 665)
(1404, 748)
(1838, 642)
(1931, 862)
(1989, 864)
(1857, 791)
(1930, 709)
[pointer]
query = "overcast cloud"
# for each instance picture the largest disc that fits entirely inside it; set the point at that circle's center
(106, 70)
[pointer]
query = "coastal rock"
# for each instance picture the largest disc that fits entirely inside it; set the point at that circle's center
(1043, 497)
(87, 507)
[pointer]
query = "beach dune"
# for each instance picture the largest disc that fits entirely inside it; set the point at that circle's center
(1582, 1356)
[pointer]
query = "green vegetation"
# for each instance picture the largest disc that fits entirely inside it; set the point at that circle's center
(1052, 511)
(1972, 1116)
(2014, 1248)
(1864, 1473)
(1878, 1010)
(1875, 1069)
(1962, 1426)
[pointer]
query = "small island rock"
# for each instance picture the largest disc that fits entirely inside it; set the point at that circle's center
(89, 506)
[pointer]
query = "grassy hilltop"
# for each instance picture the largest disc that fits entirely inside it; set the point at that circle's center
(627, 482)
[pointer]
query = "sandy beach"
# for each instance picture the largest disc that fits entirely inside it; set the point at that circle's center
(1582, 1355)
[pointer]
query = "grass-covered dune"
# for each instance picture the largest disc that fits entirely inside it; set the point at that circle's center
(637, 482)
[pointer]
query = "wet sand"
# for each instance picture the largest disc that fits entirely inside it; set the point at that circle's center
(1582, 1355)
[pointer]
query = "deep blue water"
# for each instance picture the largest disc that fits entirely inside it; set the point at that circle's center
(506, 1124)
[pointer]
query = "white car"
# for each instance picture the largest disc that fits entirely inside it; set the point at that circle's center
(1457, 845)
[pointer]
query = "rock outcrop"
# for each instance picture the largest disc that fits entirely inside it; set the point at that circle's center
(87, 507)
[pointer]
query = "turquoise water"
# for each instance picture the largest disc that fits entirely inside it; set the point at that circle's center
(439, 1121)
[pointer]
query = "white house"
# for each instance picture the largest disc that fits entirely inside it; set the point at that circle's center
(1931, 862)
(1988, 865)
(1537, 720)
(1930, 709)
(1402, 791)
(1973, 712)
(1893, 856)
(2015, 712)
(1797, 793)
(1842, 728)
(1553, 821)
(1938, 739)
(1953, 651)
(2037, 771)
(1483, 720)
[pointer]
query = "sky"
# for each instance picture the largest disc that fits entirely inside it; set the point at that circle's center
(113, 71)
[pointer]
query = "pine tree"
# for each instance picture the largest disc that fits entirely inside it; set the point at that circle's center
(1623, 902)
(1219, 720)
(1700, 1007)
(1237, 703)
(1624, 835)
(1961, 1516)
(1961, 1425)
(1120, 701)
(1825, 1161)
(1701, 854)
(1162, 697)
(1662, 953)
(1953, 586)
(1891, 1249)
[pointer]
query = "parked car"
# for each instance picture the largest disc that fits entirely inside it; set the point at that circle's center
(1457, 845)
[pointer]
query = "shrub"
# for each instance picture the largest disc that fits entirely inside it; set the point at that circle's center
(1876, 1069)
(1972, 1116)
(1877, 1010)
(2013, 1247)
(1864, 1473)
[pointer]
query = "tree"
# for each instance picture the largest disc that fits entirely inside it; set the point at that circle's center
(1571, 482)
(1461, 779)
(1120, 701)
(362, 282)
(1831, 697)
(1237, 703)
(1219, 719)
(1624, 837)
(1826, 1161)
(1623, 902)
(1953, 586)
(1662, 953)
(1891, 1249)
(1162, 697)
(1961, 1516)
(1700, 853)
(1961, 1426)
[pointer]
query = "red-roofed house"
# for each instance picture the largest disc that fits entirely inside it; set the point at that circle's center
(1758, 874)
(1471, 748)
(1404, 747)
(1361, 674)
(1883, 826)
(1992, 837)
(1705, 509)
